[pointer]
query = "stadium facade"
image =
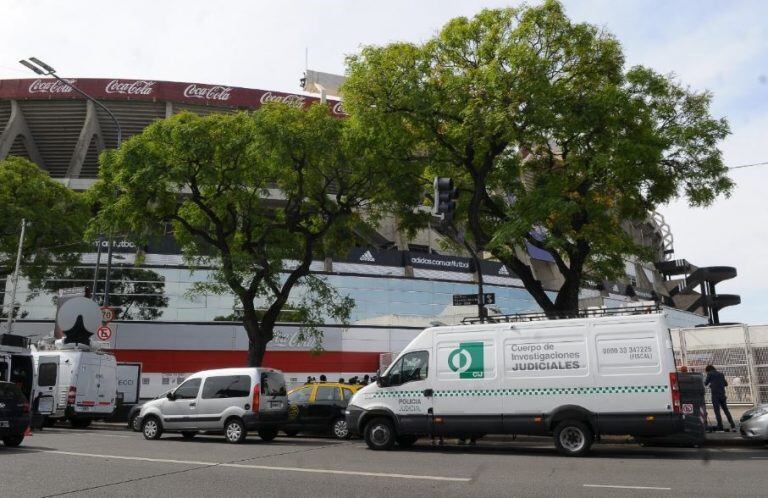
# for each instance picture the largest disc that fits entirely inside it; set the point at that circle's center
(400, 285)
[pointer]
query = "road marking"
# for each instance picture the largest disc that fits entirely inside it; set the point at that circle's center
(626, 487)
(265, 467)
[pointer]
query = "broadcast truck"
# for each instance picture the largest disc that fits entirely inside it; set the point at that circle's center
(75, 383)
(572, 379)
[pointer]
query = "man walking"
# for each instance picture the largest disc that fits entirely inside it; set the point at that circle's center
(717, 383)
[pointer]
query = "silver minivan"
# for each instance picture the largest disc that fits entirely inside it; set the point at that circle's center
(231, 401)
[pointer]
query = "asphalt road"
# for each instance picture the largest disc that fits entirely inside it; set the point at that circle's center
(67, 462)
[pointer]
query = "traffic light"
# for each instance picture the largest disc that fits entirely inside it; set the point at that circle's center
(445, 199)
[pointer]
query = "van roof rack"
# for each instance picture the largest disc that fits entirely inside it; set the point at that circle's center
(560, 315)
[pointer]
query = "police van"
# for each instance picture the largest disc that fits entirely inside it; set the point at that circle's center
(573, 379)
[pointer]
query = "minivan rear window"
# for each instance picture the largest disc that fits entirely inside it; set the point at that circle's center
(272, 384)
(227, 386)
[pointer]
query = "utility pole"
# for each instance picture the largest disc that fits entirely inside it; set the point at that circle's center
(43, 69)
(16, 277)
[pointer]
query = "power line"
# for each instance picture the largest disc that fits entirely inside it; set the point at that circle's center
(749, 165)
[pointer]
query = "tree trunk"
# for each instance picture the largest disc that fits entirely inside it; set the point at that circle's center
(257, 346)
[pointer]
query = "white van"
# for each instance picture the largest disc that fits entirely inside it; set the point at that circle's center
(228, 400)
(74, 383)
(574, 379)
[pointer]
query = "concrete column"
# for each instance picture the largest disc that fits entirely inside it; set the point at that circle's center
(91, 128)
(17, 126)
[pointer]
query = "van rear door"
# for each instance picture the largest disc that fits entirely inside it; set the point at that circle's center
(47, 382)
(106, 387)
(273, 397)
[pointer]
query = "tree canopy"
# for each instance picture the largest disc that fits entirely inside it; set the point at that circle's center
(257, 197)
(552, 141)
(56, 217)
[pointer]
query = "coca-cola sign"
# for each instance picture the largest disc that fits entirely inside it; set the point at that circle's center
(217, 92)
(296, 101)
(140, 87)
(51, 86)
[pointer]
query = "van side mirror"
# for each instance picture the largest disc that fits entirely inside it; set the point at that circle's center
(170, 395)
(382, 381)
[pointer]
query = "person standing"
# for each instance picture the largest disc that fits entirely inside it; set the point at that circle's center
(717, 384)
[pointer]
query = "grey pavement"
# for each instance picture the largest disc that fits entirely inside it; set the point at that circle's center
(68, 462)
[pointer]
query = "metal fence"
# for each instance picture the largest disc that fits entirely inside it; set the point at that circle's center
(740, 352)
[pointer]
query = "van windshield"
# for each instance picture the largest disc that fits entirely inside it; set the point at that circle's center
(272, 384)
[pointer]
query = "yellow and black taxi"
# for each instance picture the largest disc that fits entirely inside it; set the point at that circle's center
(319, 408)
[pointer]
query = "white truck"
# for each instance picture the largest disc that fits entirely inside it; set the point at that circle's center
(574, 379)
(74, 383)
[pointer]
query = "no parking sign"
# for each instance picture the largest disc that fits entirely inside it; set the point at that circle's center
(104, 333)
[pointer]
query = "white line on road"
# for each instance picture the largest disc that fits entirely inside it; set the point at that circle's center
(625, 487)
(266, 467)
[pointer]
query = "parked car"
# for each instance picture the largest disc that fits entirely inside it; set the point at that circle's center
(754, 423)
(573, 379)
(15, 415)
(231, 401)
(319, 408)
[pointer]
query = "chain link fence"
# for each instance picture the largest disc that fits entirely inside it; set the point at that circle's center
(740, 352)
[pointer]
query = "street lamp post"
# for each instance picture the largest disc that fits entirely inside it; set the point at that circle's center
(43, 69)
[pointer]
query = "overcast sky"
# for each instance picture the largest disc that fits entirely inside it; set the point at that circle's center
(714, 45)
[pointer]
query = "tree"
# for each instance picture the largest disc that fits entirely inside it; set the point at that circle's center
(552, 141)
(56, 218)
(257, 196)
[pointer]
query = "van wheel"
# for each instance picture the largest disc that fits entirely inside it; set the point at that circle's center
(267, 434)
(151, 428)
(234, 431)
(339, 429)
(188, 434)
(406, 441)
(573, 438)
(13, 441)
(380, 434)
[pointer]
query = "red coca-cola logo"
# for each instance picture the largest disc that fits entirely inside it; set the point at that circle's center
(338, 108)
(296, 101)
(207, 92)
(51, 86)
(140, 87)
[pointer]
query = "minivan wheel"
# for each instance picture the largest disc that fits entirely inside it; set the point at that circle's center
(380, 434)
(151, 428)
(573, 438)
(134, 424)
(234, 431)
(13, 441)
(340, 429)
(267, 434)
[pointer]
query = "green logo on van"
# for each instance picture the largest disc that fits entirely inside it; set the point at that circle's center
(467, 360)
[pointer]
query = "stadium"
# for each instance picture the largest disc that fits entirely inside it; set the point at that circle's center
(400, 284)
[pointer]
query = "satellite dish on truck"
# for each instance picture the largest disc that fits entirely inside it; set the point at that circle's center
(77, 320)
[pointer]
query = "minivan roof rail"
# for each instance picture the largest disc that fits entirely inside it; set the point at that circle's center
(560, 315)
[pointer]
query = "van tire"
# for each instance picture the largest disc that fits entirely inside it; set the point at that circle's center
(234, 431)
(380, 434)
(151, 428)
(188, 434)
(573, 438)
(406, 442)
(267, 435)
(13, 441)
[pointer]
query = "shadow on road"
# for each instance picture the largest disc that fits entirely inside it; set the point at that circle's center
(601, 451)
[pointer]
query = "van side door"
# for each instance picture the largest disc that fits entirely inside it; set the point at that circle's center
(407, 392)
(219, 393)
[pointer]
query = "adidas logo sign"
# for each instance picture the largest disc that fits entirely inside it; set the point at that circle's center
(367, 256)
(503, 271)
